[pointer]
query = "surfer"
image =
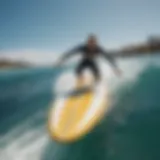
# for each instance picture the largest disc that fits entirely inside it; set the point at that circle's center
(90, 51)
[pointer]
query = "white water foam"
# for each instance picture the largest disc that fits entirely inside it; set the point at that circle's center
(27, 145)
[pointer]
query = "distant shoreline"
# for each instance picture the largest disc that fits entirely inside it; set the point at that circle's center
(150, 47)
(7, 64)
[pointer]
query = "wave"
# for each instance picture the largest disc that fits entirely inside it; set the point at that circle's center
(130, 131)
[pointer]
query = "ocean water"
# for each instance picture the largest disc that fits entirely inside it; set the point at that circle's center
(130, 131)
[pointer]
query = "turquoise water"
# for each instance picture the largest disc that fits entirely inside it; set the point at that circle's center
(129, 132)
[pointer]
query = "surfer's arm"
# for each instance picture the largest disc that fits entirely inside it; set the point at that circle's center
(108, 57)
(111, 59)
(70, 53)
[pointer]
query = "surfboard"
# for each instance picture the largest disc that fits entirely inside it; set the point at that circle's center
(72, 117)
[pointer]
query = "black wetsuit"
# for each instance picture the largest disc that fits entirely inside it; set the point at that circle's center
(89, 55)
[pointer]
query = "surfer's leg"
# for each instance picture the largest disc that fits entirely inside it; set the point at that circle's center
(94, 68)
(79, 72)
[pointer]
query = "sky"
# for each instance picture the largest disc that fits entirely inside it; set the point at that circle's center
(47, 26)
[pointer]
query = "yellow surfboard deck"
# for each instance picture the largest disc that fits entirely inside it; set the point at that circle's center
(72, 117)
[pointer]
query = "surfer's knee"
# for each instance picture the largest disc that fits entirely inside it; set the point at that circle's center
(96, 74)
